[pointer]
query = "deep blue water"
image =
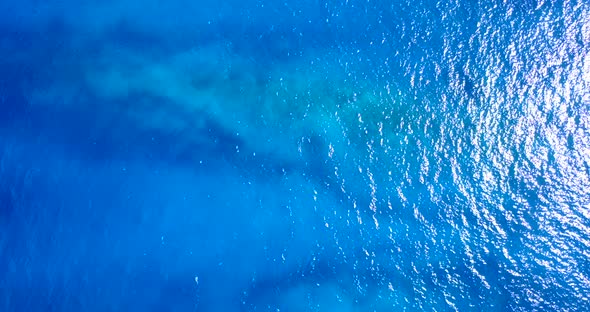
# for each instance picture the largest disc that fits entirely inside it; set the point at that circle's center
(294, 156)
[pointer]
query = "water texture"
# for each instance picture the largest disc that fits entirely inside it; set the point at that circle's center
(294, 156)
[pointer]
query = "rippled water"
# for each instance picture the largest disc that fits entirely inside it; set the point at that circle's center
(297, 156)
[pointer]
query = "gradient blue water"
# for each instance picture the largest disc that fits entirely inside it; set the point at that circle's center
(294, 156)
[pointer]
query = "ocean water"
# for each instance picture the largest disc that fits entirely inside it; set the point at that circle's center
(294, 156)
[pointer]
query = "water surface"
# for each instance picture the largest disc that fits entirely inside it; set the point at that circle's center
(296, 156)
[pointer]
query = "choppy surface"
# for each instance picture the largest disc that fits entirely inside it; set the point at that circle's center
(338, 156)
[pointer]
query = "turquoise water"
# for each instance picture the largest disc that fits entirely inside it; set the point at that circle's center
(295, 156)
